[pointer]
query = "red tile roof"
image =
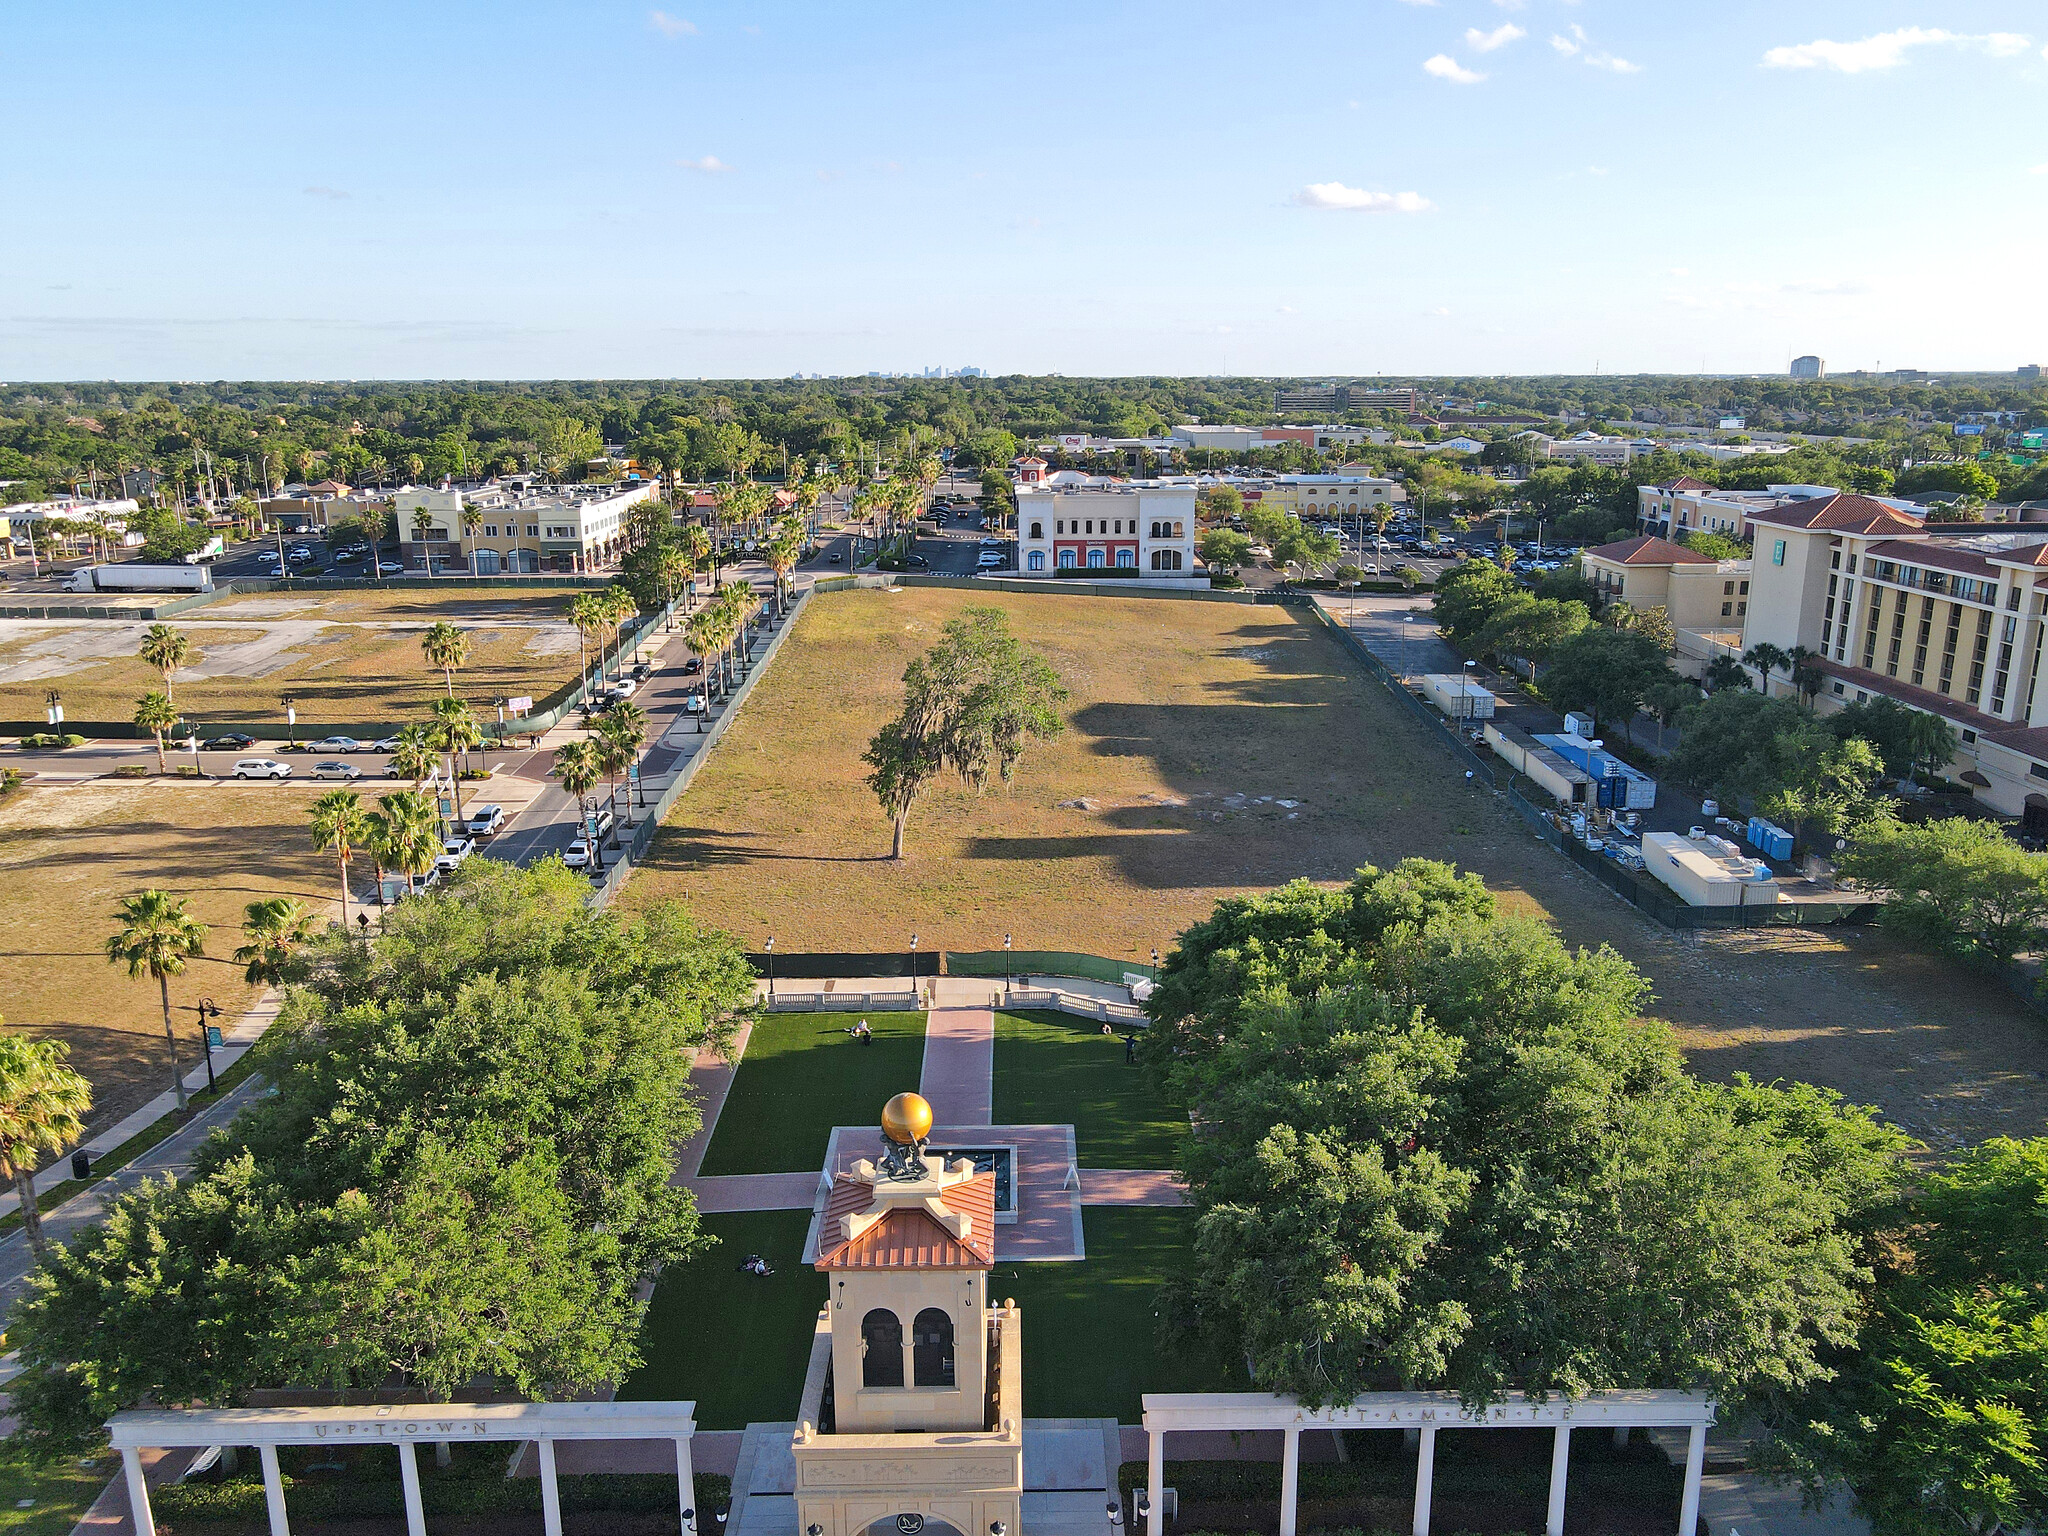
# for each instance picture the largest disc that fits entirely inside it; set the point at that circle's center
(910, 1237)
(1687, 483)
(1920, 698)
(1940, 556)
(1840, 514)
(1648, 549)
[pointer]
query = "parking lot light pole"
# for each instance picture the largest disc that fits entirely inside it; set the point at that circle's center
(206, 1010)
(291, 722)
(913, 962)
(53, 707)
(1006, 965)
(771, 970)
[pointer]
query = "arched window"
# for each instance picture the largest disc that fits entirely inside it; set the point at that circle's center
(931, 1348)
(1176, 530)
(1096, 558)
(1037, 559)
(881, 1349)
(1066, 559)
(1038, 530)
(487, 562)
(1127, 559)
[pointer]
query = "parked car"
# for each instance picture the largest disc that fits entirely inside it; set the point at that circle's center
(233, 741)
(989, 538)
(694, 703)
(335, 768)
(916, 563)
(262, 768)
(624, 688)
(578, 854)
(642, 672)
(384, 744)
(389, 567)
(486, 820)
(693, 666)
(990, 561)
(453, 852)
(337, 744)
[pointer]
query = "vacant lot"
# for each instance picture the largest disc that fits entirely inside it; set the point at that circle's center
(1190, 724)
(349, 659)
(67, 855)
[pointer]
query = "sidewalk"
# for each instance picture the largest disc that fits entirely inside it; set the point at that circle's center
(234, 1047)
(959, 1055)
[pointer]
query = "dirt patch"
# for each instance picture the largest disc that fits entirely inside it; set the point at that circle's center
(69, 853)
(1170, 723)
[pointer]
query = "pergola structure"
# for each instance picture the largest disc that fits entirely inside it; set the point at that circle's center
(1426, 1413)
(403, 1426)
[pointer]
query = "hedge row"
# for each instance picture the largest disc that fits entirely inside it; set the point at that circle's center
(453, 1495)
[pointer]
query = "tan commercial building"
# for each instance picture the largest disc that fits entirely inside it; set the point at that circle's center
(512, 527)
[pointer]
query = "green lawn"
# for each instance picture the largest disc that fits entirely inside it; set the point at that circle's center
(801, 1076)
(1057, 1069)
(62, 1492)
(1091, 1329)
(735, 1343)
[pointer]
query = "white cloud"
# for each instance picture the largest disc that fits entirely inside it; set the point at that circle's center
(1887, 50)
(1578, 43)
(1681, 271)
(1610, 62)
(1485, 42)
(1596, 170)
(332, 194)
(1565, 45)
(2039, 170)
(710, 165)
(671, 26)
(1288, 309)
(1444, 67)
(1335, 195)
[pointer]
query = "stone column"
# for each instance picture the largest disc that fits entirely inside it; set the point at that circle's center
(273, 1490)
(686, 1480)
(409, 1477)
(1560, 1464)
(1425, 1476)
(1695, 1464)
(138, 1493)
(1155, 1483)
(550, 1491)
(1290, 1478)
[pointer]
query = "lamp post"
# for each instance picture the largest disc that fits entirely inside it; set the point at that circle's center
(771, 970)
(1116, 1515)
(53, 707)
(1006, 965)
(206, 1009)
(913, 962)
(291, 722)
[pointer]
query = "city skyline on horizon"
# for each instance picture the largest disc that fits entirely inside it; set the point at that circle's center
(1462, 188)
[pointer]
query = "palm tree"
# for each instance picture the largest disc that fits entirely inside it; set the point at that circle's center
(613, 758)
(166, 649)
(472, 519)
(446, 647)
(587, 614)
(422, 525)
(407, 831)
(782, 557)
(414, 757)
(625, 726)
(341, 827)
(700, 633)
(622, 608)
(275, 928)
(455, 731)
(694, 545)
(156, 937)
(375, 524)
(43, 1105)
(156, 714)
(1766, 658)
(576, 765)
(1803, 667)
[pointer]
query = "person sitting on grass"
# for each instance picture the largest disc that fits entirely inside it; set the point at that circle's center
(754, 1264)
(862, 1034)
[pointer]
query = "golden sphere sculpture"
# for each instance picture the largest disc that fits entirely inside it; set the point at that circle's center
(907, 1119)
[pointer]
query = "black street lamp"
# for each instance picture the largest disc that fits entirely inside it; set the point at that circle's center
(291, 722)
(913, 962)
(206, 1009)
(1006, 965)
(53, 702)
(771, 970)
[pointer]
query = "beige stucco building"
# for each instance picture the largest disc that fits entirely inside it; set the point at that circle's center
(1696, 590)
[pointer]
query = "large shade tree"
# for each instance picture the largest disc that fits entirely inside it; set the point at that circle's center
(970, 704)
(1439, 1149)
(462, 1177)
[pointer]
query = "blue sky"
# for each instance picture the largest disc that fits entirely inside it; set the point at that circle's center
(521, 189)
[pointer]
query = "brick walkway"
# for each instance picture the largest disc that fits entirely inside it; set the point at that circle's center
(1130, 1186)
(959, 1062)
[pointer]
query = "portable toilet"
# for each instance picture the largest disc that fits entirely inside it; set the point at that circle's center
(1774, 842)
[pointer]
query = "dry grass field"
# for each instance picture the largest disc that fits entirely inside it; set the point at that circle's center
(1190, 725)
(69, 853)
(350, 659)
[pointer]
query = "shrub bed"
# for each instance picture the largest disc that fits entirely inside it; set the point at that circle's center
(45, 740)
